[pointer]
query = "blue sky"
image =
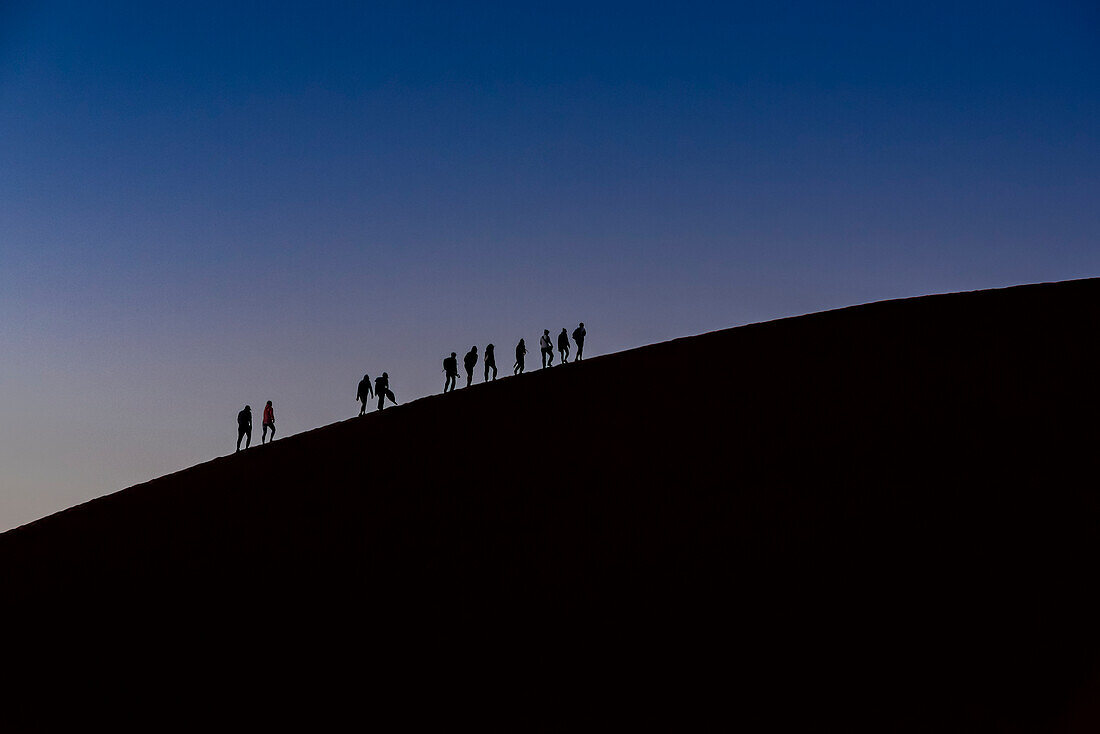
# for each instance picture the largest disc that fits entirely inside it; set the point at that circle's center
(204, 205)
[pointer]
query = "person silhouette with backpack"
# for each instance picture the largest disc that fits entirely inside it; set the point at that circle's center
(450, 369)
(364, 393)
(382, 390)
(578, 337)
(521, 352)
(470, 361)
(244, 427)
(563, 345)
(269, 422)
(490, 362)
(547, 348)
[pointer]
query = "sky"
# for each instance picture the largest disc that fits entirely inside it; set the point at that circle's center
(208, 204)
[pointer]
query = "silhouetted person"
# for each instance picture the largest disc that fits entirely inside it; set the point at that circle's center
(563, 345)
(521, 352)
(547, 348)
(269, 422)
(450, 368)
(490, 362)
(382, 390)
(578, 337)
(244, 426)
(364, 393)
(470, 361)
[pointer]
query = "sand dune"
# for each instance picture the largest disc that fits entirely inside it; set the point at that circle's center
(885, 516)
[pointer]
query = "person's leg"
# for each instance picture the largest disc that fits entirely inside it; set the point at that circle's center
(263, 435)
(486, 372)
(580, 350)
(272, 431)
(381, 400)
(248, 438)
(240, 435)
(494, 371)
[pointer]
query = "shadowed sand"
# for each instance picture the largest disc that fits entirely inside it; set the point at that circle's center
(882, 517)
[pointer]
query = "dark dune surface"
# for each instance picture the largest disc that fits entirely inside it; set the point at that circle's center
(882, 517)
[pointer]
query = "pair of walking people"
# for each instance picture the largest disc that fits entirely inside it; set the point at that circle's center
(381, 390)
(450, 367)
(244, 425)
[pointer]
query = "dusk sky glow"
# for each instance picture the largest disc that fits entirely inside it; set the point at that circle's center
(204, 205)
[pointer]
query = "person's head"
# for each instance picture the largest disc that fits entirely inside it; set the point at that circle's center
(489, 348)
(386, 375)
(269, 403)
(563, 329)
(545, 331)
(521, 341)
(366, 377)
(248, 408)
(473, 348)
(582, 324)
(453, 354)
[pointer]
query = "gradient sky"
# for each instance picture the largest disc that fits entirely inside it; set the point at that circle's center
(204, 205)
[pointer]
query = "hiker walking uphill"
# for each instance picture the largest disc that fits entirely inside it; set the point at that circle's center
(244, 427)
(269, 422)
(578, 337)
(521, 352)
(364, 393)
(563, 345)
(490, 361)
(450, 369)
(547, 348)
(470, 361)
(382, 390)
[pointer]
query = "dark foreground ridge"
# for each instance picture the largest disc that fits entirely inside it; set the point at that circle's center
(885, 516)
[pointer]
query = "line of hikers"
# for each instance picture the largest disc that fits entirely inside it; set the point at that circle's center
(381, 388)
(450, 364)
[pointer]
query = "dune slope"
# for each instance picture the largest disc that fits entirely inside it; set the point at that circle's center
(890, 508)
